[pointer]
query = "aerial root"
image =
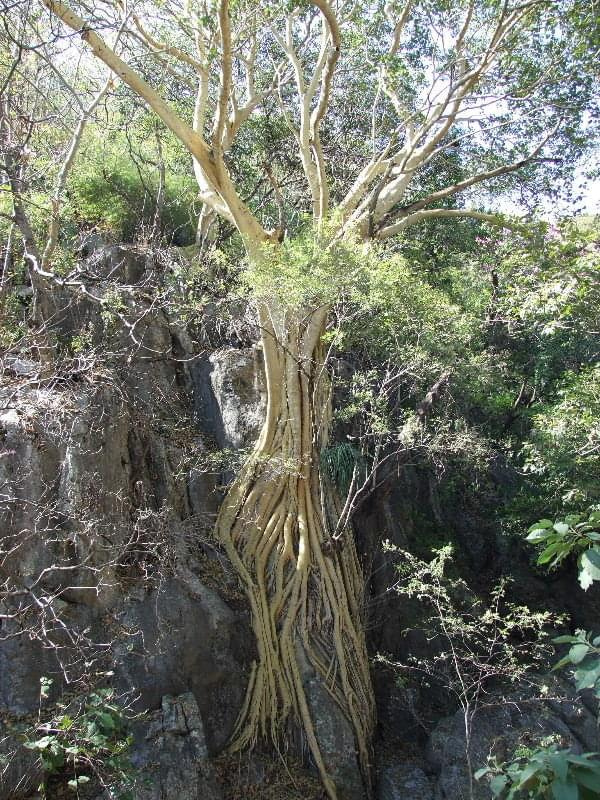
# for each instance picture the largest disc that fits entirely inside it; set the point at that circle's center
(306, 605)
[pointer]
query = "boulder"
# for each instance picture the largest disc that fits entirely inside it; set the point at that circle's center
(497, 731)
(403, 782)
(20, 769)
(184, 638)
(229, 396)
(171, 756)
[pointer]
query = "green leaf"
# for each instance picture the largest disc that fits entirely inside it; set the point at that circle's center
(584, 760)
(589, 567)
(538, 535)
(107, 720)
(578, 652)
(558, 549)
(573, 519)
(40, 744)
(498, 784)
(528, 773)
(481, 773)
(592, 557)
(566, 640)
(564, 662)
(588, 778)
(559, 764)
(587, 676)
(565, 790)
(543, 523)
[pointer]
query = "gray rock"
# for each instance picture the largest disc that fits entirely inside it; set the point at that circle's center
(171, 756)
(497, 731)
(184, 638)
(334, 735)
(229, 396)
(403, 782)
(88, 242)
(122, 263)
(21, 367)
(20, 769)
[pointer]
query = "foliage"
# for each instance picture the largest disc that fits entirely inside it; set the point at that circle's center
(563, 449)
(86, 740)
(115, 188)
(395, 313)
(480, 648)
(584, 655)
(549, 772)
(426, 110)
(479, 645)
(307, 270)
(13, 320)
(546, 773)
(577, 534)
(343, 463)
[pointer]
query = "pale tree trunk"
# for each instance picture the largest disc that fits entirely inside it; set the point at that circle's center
(306, 595)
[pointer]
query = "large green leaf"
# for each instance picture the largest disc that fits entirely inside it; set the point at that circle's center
(555, 549)
(559, 764)
(565, 790)
(498, 784)
(589, 779)
(578, 652)
(588, 675)
(589, 567)
(538, 535)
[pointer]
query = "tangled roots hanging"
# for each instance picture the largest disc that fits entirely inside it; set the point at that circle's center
(305, 595)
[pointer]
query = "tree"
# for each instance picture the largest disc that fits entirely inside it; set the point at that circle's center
(375, 98)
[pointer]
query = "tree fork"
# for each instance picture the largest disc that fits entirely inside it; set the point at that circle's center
(275, 523)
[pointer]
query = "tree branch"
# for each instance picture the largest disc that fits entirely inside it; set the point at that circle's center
(435, 213)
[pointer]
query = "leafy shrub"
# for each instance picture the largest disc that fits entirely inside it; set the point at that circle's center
(109, 189)
(575, 534)
(546, 774)
(563, 451)
(87, 739)
(584, 655)
(343, 463)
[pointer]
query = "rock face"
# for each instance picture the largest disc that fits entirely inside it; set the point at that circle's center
(184, 638)
(403, 782)
(230, 394)
(105, 543)
(20, 770)
(335, 737)
(171, 754)
(106, 516)
(498, 731)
